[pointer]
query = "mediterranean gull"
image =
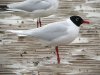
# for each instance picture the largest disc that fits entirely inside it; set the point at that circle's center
(57, 33)
(33, 8)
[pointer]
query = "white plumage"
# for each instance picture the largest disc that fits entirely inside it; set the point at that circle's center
(34, 8)
(53, 34)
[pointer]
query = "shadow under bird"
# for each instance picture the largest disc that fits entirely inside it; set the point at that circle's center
(57, 33)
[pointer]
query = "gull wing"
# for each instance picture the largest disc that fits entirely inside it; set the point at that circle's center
(30, 5)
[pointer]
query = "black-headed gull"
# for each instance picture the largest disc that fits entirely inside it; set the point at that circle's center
(55, 34)
(33, 8)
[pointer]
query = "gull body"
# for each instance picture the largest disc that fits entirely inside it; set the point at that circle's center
(54, 34)
(32, 8)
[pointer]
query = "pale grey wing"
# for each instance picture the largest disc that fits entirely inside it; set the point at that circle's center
(42, 5)
(30, 5)
(50, 33)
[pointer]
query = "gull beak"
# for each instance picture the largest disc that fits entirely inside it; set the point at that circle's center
(86, 22)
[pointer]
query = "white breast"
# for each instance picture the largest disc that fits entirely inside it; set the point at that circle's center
(70, 35)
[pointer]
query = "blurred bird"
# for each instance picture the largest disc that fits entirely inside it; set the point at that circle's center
(32, 8)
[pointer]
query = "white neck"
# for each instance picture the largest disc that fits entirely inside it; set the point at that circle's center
(71, 23)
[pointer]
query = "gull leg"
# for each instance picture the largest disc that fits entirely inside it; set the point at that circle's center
(39, 23)
(57, 53)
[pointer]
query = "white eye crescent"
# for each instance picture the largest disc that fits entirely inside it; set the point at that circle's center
(77, 19)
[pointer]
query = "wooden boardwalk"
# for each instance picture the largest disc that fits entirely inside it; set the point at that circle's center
(25, 56)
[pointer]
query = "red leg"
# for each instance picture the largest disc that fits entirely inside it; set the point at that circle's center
(37, 23)
(57, 53)
(40, 22)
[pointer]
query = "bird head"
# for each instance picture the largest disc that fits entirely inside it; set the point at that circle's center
(77, 20)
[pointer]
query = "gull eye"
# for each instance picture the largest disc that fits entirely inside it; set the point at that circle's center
(77, 19)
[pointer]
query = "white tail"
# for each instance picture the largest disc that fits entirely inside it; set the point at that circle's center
(18, 32)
